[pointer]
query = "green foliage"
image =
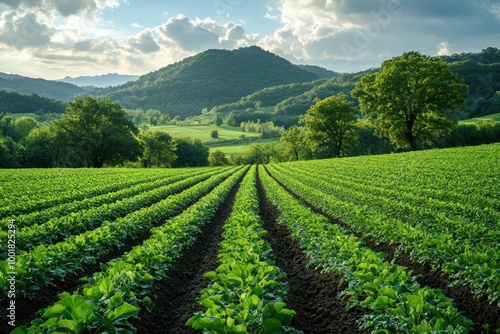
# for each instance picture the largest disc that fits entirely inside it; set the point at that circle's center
(247, 290)
(266, 129)
(158, 149)
(295, 144)
(217, 158)
(41, 148)
(331, 125)
(411, 99)
(9, 153)
(214, 134)
(190, 153)
(14, 103)
(98, 131)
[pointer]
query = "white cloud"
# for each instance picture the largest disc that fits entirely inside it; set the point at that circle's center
(143, 42)
(444, 49)
(23, 31)
(198, 35)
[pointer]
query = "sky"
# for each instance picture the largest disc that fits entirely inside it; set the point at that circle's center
(53, 39)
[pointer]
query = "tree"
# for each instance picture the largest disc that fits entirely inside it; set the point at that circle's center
(218, 121)
(159, 149)
(153, 116)
(98, 131)
(331, 125)
(190, 153)
(22, 127)
(411, 99)
(9, 153)
(41, 148)
(217, 158)
(294, 141)
(214, 134)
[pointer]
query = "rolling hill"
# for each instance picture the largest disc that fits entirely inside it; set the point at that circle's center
(46, 88)
(207, 79)
(101, 81)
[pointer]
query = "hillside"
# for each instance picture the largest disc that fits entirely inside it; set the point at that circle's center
(15, 103)
(101, 81)
(480, 71)
(207, 79)
(47, 88)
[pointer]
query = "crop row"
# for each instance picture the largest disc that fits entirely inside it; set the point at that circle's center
(397, 301)
(47, 263)
(248, 290)
(65, 187)
(476, 265)
(117, 293)
(75, 223)
(59, 210)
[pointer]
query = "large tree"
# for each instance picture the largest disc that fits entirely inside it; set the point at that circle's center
(190, 153)
(98, 131)
(331, 125)
(411, 99)
(159, 149)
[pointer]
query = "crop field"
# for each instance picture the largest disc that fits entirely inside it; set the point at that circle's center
(400, 243)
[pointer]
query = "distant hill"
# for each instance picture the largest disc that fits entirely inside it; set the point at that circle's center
(207, 79)
(51, 89)
(14, 103)
(101, 81)
(319, 71)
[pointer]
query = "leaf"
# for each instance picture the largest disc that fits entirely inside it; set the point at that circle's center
(123, 312)
(54, 311)
(212, 275)
(271, 325)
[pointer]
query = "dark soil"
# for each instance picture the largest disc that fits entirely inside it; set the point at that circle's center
(312, 295)
(175, 295)
(27, 308)
(476, 309)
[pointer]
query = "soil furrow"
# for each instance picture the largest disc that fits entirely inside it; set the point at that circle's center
(175, 295)
(312, 295)
(48, 294)
(476, 309)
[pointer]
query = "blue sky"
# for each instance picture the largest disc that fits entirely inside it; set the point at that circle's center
(57, 38)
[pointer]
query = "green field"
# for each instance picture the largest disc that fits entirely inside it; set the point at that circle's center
(488, 118)
(389, 235)
(229, 137)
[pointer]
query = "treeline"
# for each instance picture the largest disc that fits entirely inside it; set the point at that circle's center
(93, 133)
(15, 103)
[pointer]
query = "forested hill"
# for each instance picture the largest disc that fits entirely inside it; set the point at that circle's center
(47, 88)
(207, 79)
(480, 71)
(14, 103)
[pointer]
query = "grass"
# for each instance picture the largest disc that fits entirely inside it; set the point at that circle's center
(488, 118)
(228, 141)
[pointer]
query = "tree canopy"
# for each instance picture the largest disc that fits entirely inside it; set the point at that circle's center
(411, 99)
(159, 149)
(331, 125)
(98, 131)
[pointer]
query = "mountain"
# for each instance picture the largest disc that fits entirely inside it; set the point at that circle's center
(207, 79)
(480, 71)
(319, 71)
(101, 81)
(51, 89)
